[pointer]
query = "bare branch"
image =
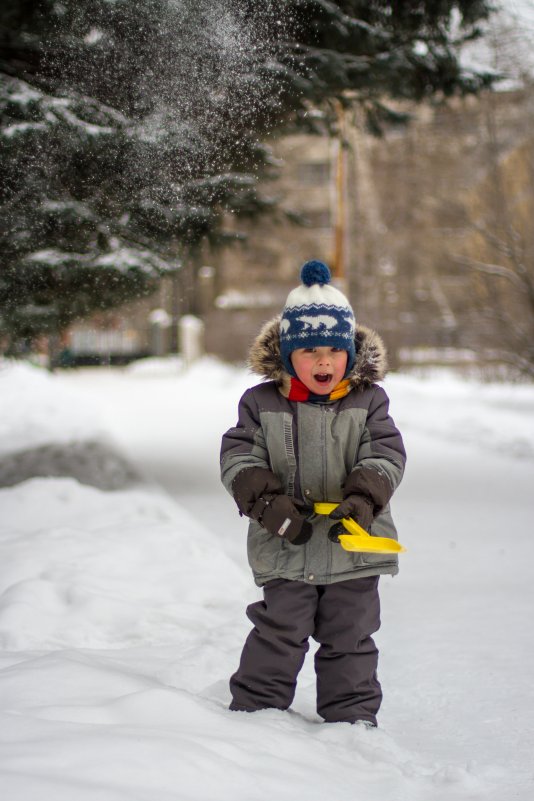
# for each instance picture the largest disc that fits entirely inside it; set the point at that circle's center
(502, 246)
(492, 269)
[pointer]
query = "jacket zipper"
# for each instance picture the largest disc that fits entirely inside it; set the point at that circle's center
(323, 437)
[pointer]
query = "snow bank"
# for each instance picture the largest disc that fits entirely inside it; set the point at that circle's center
(84, 568)
(49, 430)
(485, 416)
(35, 411)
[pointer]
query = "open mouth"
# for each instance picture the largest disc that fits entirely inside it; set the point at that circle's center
(323, 378)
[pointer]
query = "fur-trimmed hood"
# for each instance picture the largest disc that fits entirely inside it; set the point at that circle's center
(370, 365)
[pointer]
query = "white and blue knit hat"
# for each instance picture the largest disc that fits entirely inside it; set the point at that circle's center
(316, 314)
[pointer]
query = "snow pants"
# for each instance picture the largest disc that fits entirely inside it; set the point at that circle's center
(341, 617)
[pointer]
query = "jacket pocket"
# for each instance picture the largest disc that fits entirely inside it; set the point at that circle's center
(344, 561)
(263, 549)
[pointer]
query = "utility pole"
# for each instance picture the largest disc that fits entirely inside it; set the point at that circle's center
(339, 271)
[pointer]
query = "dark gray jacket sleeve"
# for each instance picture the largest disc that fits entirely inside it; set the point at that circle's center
(244, 444)
(381, 446)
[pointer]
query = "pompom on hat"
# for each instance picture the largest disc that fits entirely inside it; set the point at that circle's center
(316, 315)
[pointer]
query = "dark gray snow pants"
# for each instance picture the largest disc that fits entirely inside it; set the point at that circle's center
(341, 617)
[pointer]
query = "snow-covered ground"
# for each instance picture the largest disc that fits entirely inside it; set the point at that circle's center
(122, 610)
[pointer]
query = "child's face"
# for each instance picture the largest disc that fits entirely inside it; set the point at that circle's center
(320, 369)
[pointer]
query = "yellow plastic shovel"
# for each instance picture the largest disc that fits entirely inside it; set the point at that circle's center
(358, 539)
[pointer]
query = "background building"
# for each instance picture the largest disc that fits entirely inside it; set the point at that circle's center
(427, 228)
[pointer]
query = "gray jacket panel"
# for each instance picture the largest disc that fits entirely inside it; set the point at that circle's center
(312, 448)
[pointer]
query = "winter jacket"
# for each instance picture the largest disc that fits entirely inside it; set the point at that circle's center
(312, 448)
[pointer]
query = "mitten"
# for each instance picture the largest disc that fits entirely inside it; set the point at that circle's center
(281, 517)
(365, 493)
(251, 484)
(259, 495)
(372, 483)
(359, 507)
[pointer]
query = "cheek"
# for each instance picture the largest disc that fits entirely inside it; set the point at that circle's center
(300, 365)
(342, 365)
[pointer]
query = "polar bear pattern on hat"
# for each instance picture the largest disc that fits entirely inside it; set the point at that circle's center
(316, 314)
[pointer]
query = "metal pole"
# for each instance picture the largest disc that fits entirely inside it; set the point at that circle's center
(339, 258)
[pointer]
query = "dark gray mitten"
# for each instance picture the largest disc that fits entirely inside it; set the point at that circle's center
(359, 507)
(259, 494)
(366, 492)
(281, 517)
(251, 484)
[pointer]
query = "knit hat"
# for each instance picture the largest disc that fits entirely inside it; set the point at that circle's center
(316, 314)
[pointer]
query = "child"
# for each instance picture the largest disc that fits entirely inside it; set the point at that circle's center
(317, 430)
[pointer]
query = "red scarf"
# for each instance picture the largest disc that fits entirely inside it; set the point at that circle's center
(300, 392)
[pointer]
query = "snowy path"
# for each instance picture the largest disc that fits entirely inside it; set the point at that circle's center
(122, 613)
